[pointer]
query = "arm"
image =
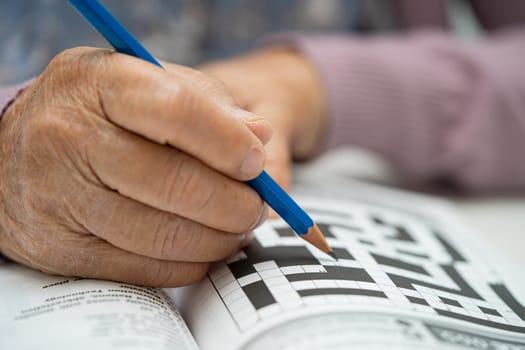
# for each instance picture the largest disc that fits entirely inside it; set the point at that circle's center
(434, 107)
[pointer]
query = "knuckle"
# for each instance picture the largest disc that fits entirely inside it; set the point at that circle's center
(163, 274)
(172, 239)
(187, 109)
(179, 99)
(174, 93)
(49, 141)
(75, 73)
(65, 57)
(76, 60)
(205, 196)
(181, 184)
(184, 240)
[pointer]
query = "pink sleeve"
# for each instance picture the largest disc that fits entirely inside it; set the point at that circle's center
(434, 107)
(8, 95)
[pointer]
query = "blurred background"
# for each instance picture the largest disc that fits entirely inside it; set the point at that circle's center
(182, 31)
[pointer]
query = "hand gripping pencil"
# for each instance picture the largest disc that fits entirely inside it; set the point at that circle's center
(268, 189)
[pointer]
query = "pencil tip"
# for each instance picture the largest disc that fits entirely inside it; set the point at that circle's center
(316, 238)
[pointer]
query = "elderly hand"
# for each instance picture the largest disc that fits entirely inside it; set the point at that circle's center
(281, 85)
(113, 168)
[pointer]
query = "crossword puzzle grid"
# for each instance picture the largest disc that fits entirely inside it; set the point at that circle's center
(385, 258)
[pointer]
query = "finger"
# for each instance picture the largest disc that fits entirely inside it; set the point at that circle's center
(217, 90)
(91, 257)
(278, 149)
(260, 128)
(172, 181)
(141, 229)
(279, 163)
(163, 107)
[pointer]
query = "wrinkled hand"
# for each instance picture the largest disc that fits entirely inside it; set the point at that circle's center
(113, 168)
(281, 85)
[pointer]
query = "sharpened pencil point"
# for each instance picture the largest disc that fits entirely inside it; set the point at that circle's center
(315, 237)
(332, 255)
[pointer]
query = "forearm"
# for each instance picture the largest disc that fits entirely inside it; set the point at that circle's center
(434, 107)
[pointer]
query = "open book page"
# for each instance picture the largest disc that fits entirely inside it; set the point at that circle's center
(38, 311)
(407, 276)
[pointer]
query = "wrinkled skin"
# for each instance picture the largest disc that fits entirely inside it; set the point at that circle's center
(115, 169)
(281, 85)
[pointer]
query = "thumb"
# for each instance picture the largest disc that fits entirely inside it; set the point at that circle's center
(279, 161)
(278, 149)
(279, 164)
(260, 127)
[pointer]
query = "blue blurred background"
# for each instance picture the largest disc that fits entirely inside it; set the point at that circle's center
(182, 31)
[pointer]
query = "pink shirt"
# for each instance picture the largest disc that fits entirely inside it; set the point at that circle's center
(436, 108)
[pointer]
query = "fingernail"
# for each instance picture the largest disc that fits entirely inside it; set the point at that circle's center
(261, 127)
(255, 120)
(248, 238)
(253, 162)
(258, 121)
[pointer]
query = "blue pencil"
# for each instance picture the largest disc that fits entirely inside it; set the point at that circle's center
(119, 37)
